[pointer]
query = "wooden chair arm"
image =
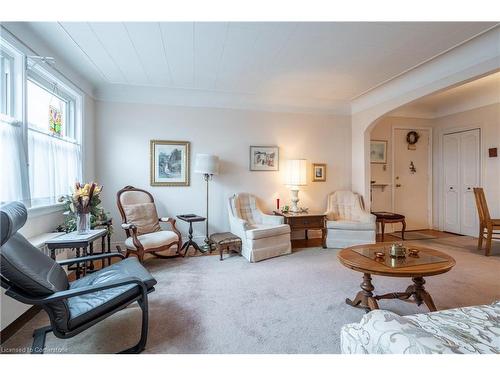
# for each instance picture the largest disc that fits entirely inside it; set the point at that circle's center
(129, 227)
(172, 222)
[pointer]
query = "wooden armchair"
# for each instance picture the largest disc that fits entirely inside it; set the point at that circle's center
(487, 225)
(142, 225)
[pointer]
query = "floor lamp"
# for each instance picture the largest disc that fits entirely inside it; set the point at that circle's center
(208, 165)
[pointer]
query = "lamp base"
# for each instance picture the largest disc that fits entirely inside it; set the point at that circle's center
(295, 200)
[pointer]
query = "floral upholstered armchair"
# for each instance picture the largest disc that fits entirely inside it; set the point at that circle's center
(142, 225)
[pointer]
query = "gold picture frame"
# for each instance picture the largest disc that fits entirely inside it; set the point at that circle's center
(319, 172)
(169, 163)
(378, 151)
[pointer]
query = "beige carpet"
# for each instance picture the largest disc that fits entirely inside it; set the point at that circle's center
(290, 304)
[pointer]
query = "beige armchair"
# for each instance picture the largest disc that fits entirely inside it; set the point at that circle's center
(348, 224)
(142, 225)
(263, 236)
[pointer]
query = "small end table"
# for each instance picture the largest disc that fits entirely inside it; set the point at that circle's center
(226, 241)
(388, 218)
(77, 241)
(190, 219)
(306, 221)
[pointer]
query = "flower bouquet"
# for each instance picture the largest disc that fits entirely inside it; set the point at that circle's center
(83, 208)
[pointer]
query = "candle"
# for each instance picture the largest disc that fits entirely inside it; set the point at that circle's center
(277, 203)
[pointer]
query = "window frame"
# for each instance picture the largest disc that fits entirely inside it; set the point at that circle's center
(24, 69)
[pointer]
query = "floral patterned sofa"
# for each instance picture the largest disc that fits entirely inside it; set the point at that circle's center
(472, 330)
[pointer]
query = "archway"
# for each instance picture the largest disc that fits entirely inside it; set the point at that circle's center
(471, 60)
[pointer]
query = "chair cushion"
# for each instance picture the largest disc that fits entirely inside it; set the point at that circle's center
(143, 216)
(247, 208)
(349, 225)
(257, 231)
(153, 240)
(87, 307)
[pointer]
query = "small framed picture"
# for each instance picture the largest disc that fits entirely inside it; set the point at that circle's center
(264, 158)
(169, 163)
(319, 172)
(378, 152)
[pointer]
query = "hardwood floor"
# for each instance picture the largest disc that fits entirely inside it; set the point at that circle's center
(431, 232)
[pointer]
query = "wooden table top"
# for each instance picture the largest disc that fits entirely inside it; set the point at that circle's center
(357, 262)
(298, 214)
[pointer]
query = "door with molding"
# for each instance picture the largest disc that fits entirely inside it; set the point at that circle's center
(412, 178)
(461, 173)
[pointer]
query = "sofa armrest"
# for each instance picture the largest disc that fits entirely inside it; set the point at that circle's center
(238, 226)
(384, 332)
(272, 219)
(366, 217)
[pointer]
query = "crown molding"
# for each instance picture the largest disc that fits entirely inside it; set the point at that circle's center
(218, 99)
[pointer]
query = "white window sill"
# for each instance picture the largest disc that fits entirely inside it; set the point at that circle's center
(45, 209)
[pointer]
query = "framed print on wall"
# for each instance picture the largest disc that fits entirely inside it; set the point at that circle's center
(264, 158)
(319, 172)
(378, 152)
(169, 163)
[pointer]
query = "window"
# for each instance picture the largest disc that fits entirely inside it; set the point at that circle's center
(7, 84)
(40, 123)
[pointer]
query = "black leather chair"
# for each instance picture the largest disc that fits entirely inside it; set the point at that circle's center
(31, 277)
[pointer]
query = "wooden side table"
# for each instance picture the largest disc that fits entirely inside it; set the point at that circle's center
(226, 241)
(108, 224)
(191, 219)
(389, 218)
(306, 221)
(84, 242)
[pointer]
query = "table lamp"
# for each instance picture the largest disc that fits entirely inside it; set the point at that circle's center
(296, 175)
(208, 165)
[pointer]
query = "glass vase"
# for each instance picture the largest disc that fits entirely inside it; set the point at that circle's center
(82, 223)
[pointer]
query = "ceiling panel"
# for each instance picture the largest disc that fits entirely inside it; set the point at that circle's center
(116, 41)
(178, 41)
(327, 60)
(209, 41)
(148, 42)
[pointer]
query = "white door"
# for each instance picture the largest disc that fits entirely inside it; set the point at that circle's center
(461, 163)
(411, 187)
(451, 171)
(470, 164)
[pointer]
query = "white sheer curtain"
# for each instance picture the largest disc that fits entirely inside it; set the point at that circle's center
(54, 165)
(13, 177)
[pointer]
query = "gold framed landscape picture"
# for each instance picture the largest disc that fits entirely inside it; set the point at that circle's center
(169, 163)
(319, 172)
(378, 152)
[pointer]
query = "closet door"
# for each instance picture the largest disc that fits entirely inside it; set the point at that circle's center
(469, 172)
(451, 170)
(461, 163)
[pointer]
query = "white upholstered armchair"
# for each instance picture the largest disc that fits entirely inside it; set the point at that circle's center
(348, 224)
(263, 236)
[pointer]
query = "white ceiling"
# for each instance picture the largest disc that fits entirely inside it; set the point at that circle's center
(326, 61)
(477, 93)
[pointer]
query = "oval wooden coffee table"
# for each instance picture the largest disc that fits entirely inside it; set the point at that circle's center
(362, 258)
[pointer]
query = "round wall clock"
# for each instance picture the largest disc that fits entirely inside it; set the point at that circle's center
(412, 137)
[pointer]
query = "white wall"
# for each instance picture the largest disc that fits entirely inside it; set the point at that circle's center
(124, 130)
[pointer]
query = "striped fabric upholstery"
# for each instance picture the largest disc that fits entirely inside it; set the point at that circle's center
(247, 208)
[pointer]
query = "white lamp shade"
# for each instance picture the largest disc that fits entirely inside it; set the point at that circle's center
(206, 164)
(296, 172)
